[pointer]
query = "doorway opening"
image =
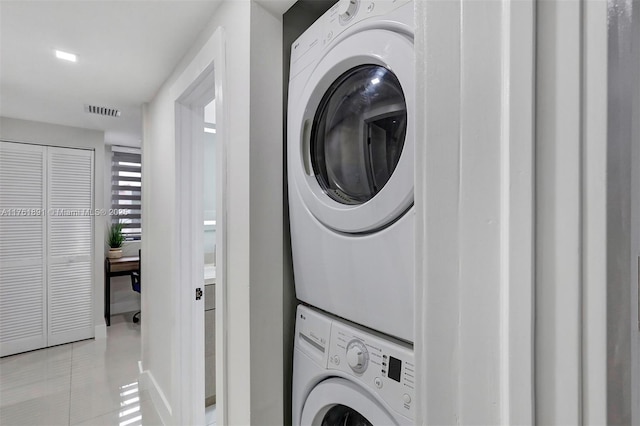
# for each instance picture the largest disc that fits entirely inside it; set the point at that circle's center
(200, 378)
(209, 247)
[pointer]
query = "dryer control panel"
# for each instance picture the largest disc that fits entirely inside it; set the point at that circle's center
(384, 365)
(342, 16)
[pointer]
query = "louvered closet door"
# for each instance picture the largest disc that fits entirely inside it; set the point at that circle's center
(70, 243)
(22, 245)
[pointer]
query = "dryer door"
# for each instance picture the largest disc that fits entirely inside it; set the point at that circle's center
(354, 163)
(339, 402)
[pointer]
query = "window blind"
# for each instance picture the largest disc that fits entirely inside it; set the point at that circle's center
(126, 191)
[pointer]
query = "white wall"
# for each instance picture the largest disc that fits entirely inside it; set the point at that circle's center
(266, 221)
(586, 333)
(254, 210)
(475, 293)
(72, 137)
(474, 193)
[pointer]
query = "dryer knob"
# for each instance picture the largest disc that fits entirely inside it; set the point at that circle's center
(347, 9)
(357, 356)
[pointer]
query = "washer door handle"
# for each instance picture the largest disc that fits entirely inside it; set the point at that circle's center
(306, 143)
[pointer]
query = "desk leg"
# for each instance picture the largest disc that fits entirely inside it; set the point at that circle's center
(107, 292)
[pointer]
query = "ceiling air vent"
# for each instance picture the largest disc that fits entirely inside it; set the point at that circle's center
(109, 112)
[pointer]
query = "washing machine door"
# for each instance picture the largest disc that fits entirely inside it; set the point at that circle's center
(339, 402)
(353, 164)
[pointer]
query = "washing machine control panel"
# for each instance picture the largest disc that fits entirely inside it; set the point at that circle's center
(384, 365)
(357, 356)
(343, 15)
(313, 331)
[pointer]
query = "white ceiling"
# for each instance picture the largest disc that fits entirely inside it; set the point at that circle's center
(126, 50)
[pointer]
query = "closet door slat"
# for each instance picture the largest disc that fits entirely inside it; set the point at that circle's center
(22, 248)
(70, 249)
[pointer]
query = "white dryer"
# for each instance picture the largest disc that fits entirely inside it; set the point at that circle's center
(351, 116)
(343, 375)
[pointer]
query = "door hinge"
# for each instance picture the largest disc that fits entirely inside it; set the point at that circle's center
(198, 293)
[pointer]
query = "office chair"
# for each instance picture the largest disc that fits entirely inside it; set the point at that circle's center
(135, 285)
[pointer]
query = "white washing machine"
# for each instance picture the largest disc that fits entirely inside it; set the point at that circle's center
(344, 375)
(350, 154)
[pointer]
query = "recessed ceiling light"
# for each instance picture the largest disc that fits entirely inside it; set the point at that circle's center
(66, 56)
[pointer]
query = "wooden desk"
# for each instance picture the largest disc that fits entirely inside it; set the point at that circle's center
(115, 268)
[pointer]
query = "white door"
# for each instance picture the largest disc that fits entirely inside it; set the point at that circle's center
(22, 248)
(338, 402)
(70, 254)
(353, 164)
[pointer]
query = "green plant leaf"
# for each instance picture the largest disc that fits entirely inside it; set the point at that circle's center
(115, 238)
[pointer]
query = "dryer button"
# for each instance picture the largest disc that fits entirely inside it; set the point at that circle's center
(406, 398)
(378, 382)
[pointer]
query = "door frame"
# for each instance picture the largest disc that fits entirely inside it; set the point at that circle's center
(205, 81)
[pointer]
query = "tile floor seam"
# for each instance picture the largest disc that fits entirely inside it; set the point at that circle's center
(70, 384)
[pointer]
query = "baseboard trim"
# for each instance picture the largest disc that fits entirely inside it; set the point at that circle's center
(148, 382)
(100, 331)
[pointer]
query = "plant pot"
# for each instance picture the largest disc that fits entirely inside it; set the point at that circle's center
(114, 253)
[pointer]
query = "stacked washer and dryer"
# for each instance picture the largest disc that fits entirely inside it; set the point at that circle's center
(350, 155)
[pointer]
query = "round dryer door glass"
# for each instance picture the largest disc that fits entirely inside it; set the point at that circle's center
(358, 133)
(340, 415)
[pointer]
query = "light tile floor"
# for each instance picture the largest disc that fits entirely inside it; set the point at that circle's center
(210, 415)
(92, 382)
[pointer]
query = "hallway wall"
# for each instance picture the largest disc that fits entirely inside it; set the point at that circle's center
(254, 393)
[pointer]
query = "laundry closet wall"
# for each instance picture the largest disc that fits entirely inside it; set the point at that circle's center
(254, 269)
(474, 212)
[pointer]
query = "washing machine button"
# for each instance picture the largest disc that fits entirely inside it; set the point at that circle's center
(378, 382)
(347, 9)
(406, 398)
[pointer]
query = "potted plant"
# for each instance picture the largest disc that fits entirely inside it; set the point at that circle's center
(115, 241)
